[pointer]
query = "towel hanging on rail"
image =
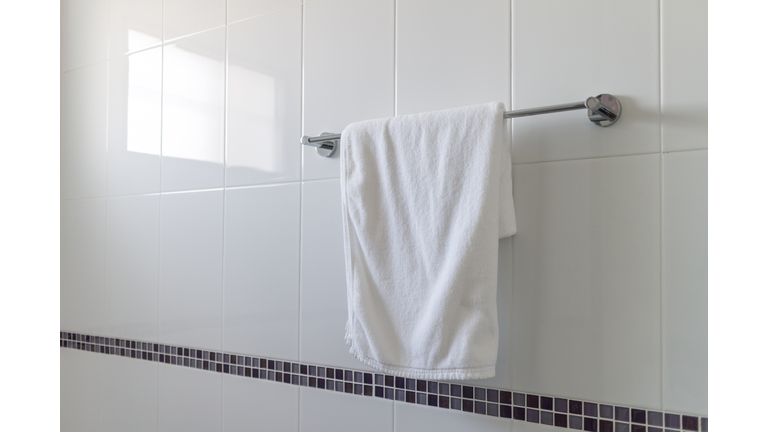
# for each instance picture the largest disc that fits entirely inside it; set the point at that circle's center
(425, 199)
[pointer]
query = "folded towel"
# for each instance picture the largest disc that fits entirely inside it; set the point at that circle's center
(425, 198)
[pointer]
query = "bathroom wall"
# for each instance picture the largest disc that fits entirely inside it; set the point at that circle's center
(191, 216)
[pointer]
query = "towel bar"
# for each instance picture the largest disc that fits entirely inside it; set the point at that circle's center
(602, 110)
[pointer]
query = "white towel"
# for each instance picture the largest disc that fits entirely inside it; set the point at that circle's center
(425, 198)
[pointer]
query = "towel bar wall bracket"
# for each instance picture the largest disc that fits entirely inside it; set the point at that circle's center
(602, 110)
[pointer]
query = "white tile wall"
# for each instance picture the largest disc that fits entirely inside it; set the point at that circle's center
(135, 108)
(261, 271)
(84, 131)
(264, 99)
(325, 411)
(414, 418)
(191, 269)
(458, 57)
(684, 74)
(586, 318)
(134, 25)
(188, 399)
(604, 297)
(132, 388)
(273, 406)
(82, 265)
(131, 285)
(349, 74)
(81, 391)
(685, 282)
(193, 112)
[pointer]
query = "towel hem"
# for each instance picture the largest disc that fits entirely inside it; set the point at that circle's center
(481, 372)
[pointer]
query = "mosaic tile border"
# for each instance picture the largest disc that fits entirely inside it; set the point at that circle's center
(534, 408)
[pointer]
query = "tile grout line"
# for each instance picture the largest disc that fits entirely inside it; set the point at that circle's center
(301, 209)
(661, 216)
(224, 202)
(160, 203)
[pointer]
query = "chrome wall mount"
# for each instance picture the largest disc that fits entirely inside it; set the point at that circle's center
(602, 110)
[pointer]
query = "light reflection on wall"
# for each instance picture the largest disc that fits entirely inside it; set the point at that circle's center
(253, 128)
(143, 108)
(192, 106)
(138, 40)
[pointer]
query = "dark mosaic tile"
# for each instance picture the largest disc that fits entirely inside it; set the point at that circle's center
(621, 413)
(532, 415)
(296, 380)
(358, 389)
(389, 381)
(505, 411)
(312, 370)
(455, 403)
(547, 418)
(296, 368)
(421, 398)
(445, 389)
(606, 426)
(480, 393)
(271, 364)
(421, 385)
(455, 390)
(704, 424)
(546, 402)
(287, 367)
(389, 393)
(532, 401)
(655, 429)
(339, 374)
(313, 381)
(410, 384)
(621, 427)
(518, 413)
(262, 362)
(590, 409)
(339, 386)
(400, 382)
(518, 399)
(320, 383)
(638, 416)
(574, 407)
(468, 392)
(655, 418)
(492, 409)
(348, 387)
(444, 402)
(574, 422)
(368, 378)
(561, 405)
(358, 377)
(247, 359)
(271, 375)
(467, 405)
(432, 400)
(493, 395)
(432, 387)
(561, 420)
(400, 395)
(348, 375)
(638, 428)
(378, 379)
(590, 424)
(606, 411)
(690, 423)
(303, 369)
(278, 375)
(379, 391)
(505, 397)
(263, 374)
(329, 373)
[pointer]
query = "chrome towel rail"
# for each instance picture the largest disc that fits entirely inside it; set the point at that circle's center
(602, 110)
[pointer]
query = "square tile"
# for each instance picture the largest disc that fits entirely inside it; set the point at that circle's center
(188, 400)
(137, 384)
(82, 391)
(264, 99)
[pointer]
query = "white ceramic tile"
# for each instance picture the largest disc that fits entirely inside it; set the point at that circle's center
(684, 97)
(524, 426)
(259, 405)
(566, 51)
(586, 294)
(193, 112)
(84, 32)
(349, 70)
(264, 99)
(323, 279)
(134, 25)
(81, 391)
(188, 400)
(191, 227)
(242, 9)
(452, 53)
(130, 305)
(82, 266)
(503, 378)
(327, 411)
(261, 271)
(84, 131)
(184, 17)
(417, 418)
(685, 282)
(131, 400)
(135, 104)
